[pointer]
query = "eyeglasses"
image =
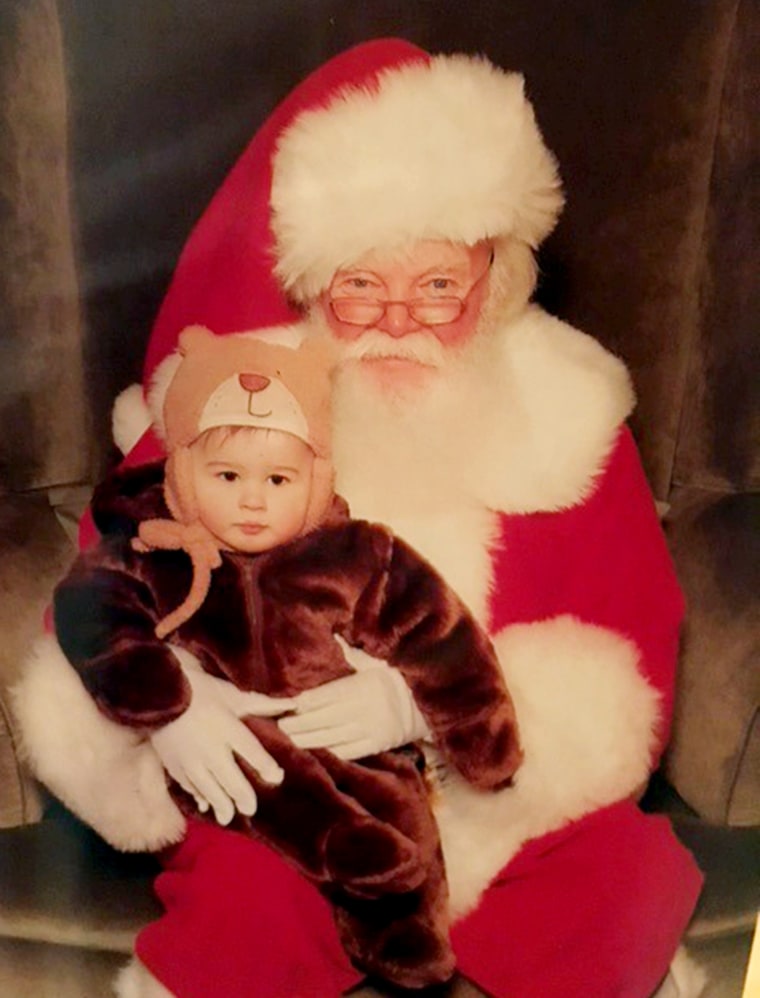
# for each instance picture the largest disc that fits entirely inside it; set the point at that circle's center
(424, 311)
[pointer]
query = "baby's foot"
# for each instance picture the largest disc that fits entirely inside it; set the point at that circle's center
(412, 954)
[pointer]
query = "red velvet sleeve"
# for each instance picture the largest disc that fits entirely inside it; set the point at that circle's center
(604, 561)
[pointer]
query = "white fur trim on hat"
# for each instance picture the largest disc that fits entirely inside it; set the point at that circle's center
(445, 150)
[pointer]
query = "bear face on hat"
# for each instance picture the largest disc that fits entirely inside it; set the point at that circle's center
(245, 379)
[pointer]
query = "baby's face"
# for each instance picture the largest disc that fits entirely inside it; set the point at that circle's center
(252, 488)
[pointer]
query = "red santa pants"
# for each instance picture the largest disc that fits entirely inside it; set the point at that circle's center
(596, 909)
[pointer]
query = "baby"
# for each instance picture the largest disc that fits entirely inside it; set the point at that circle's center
(242, 529)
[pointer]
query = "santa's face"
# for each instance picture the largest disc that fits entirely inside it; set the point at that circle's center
(400, 315)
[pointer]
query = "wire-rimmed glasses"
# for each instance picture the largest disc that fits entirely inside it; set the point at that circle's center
(432, 311)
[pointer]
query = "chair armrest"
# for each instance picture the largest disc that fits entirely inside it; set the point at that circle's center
(34, 553)
(20, 801)
(714, 757)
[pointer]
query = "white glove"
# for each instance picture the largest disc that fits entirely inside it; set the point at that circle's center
(368, 712)
(197, 749)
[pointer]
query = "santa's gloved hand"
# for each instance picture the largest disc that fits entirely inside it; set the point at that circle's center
(198, 749)
(368, 712)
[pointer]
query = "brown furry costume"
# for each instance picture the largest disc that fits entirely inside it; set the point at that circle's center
(362, 831)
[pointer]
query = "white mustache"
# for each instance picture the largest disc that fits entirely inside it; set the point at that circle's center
(422, 348)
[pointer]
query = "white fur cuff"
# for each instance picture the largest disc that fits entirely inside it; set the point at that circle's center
(586, 718)
(105, 773)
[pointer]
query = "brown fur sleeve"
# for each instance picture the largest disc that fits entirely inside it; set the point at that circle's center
(409, 616)
(104, 621)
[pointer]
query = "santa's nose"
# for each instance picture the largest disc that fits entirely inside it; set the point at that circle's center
(398, 320)
(253, 382)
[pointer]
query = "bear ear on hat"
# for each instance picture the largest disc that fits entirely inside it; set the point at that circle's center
(192, 337)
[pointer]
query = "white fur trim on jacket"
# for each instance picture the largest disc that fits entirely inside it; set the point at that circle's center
(130, 418)
(445, 150)
(549, 413)
(587, 719)
(105, 773)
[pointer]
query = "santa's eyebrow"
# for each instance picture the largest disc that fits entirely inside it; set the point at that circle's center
(445, 270)
(352, 272)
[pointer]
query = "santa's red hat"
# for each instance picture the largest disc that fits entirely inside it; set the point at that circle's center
(381, 146)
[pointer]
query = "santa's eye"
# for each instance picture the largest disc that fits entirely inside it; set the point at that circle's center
(356, 286)
(439, 287)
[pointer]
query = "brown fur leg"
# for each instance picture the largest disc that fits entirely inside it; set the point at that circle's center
(327, 834)
(402, 938)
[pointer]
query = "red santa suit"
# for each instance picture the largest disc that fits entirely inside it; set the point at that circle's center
(518, 481)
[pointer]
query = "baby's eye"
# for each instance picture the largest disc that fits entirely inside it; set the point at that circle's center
(228, 476)
(278, 479)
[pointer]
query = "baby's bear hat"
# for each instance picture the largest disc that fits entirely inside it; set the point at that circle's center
(276, 379)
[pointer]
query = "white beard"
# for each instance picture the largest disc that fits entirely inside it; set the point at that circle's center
(406, 459)
(373, 345)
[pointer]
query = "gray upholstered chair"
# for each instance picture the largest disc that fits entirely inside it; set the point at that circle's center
(117, 122)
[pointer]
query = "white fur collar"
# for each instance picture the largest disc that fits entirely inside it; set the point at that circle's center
(548, 401)
(570, 397)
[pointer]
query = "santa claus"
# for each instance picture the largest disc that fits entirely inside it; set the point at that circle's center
(397, 199)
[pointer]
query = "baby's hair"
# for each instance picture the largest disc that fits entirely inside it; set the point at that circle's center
(217, 435)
